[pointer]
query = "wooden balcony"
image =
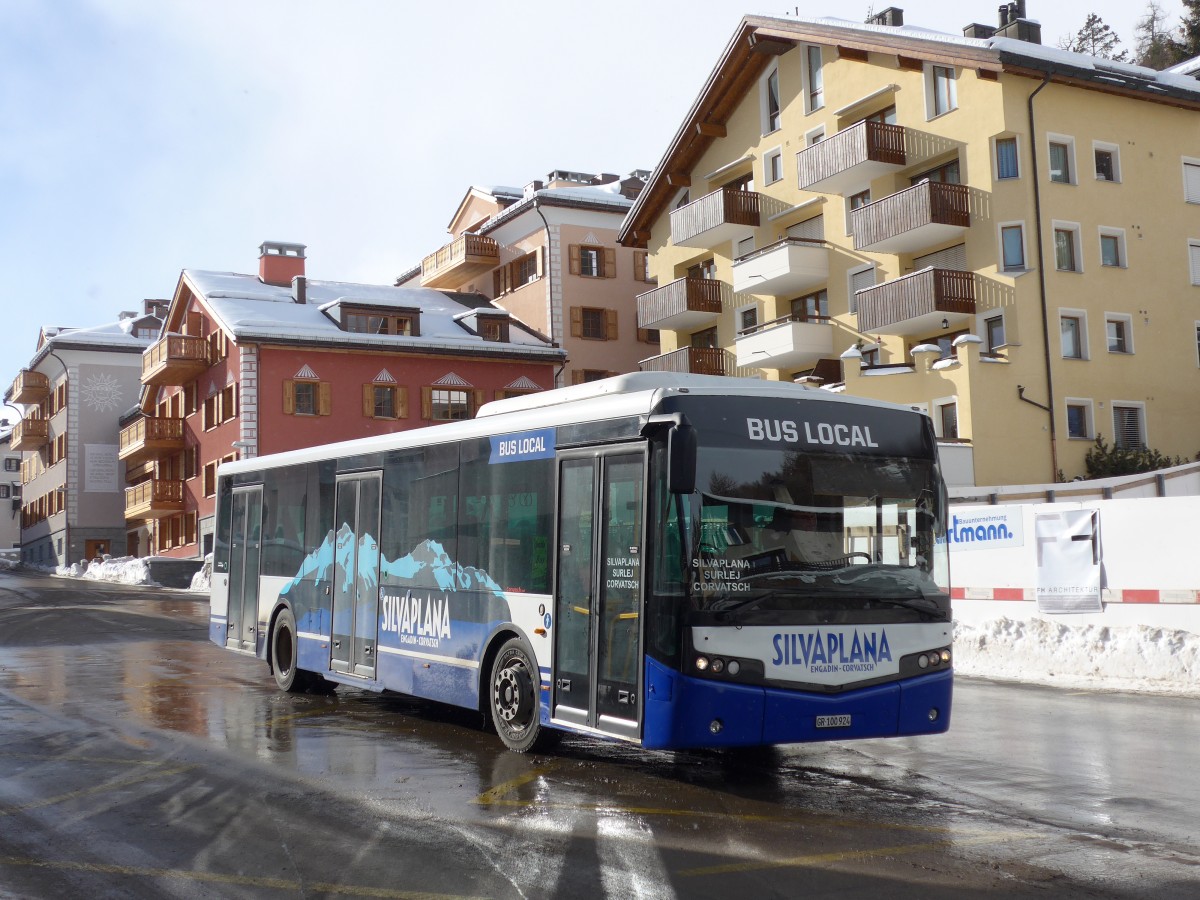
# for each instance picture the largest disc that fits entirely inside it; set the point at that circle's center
(174, 359)
(690, 360)
(149, 438)
(154, 499)
(30, 387)
(915, 305)
(788, 343)
(851, 158)
(787, 267)
(459, 261)
(30, 434)
(712, 220)
(683, 305)
(921, 216)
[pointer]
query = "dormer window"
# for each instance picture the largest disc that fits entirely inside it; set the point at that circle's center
(364, 319)
(493, 328)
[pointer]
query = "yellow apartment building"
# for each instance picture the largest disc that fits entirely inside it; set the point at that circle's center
(1002, 234)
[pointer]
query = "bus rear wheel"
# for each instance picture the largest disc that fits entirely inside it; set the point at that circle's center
(284, 655)
(514, 701)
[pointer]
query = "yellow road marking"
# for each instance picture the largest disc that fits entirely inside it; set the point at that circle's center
(281, 884)
(95, 789)
(491, 797)
(818, 859)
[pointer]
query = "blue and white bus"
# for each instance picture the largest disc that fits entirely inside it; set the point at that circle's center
(669, 560)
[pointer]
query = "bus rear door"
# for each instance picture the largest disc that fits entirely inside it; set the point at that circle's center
(245, 549)
(598, 591)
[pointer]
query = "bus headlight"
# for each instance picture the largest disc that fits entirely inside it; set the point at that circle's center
(946, 657)
(718, 666)
(734, 667)
(702, 663)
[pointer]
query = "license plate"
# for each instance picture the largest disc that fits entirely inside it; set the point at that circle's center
(833, 721)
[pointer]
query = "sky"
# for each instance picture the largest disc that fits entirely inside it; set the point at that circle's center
(139, 138)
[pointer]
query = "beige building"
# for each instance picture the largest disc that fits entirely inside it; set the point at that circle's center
(1002, 234)
(548, 254)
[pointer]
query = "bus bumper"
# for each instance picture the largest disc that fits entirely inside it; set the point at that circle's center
(682, 711)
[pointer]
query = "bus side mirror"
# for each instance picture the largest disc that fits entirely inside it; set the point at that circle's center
(681, 458)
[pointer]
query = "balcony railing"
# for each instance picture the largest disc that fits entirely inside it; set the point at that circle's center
(683, 305)
(174, 359)
(30, 387)
(851, 157)
(923, 215)
(691, 360)
(789, 266)
(149, 438)
(916, 304)
(791, 342)
(714, 219)
(29, 434)
(459, 261)
(154, 499)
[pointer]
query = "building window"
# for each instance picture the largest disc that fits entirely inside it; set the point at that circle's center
(815, 78)
(592, 262)
(307, 398)
(705, 340)
(1073, 335)
(1194, 261)
(525, 270)
(1198, 343)
(12, 464)
(947, 173)
(1066, 248)
(860, 280)
(994, 327)
(360, 321)
(210, 479)
(1191, 180)
(493, 328)
(1112, 248)
(1119, 332)
(811, 307)
(745, 247)
(773, 166)
(942, 92)
(1061, 169)
(1079, 419)
(384, 401)
(593, 324)
(648, 335)
(859, 200)
(641, 266)
(706, 269)
(1129, 431)
(447, 405)
(1006, 158)
(948, 416)
(747, 317)
(1108, 162)
(770, 100)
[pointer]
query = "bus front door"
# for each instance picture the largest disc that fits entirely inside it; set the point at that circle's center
(598, 591)
(245, 548)
(356, 575)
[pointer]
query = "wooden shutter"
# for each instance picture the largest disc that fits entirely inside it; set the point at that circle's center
(576, 321)
(610, 262)
(498, 281)
(577, 376)
(639, 265)
(610, 324)
(193, 324)
(289, 398)
(573, 265)
(368, 395)
(427, 403)
(540, 261)
(401, 402)
(324, 398)
(478, 398)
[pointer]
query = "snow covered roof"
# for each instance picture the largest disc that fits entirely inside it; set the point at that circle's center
(253, 311)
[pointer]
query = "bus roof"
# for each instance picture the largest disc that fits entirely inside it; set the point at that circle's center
(636, 394)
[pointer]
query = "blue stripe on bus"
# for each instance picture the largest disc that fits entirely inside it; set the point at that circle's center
(680, 711)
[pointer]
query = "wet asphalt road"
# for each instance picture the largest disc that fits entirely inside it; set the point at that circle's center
(138, 760)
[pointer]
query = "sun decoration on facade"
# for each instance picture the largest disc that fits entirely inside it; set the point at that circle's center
(101, 392)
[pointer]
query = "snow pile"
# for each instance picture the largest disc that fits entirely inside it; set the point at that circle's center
(121, 570)
(1122, 658)
(202, 580)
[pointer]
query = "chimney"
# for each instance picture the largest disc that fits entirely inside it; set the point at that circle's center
(892, 17)
(1013, 24)
(975, 30)
(1004, 15)
(532, 188)
(604, 178)
(280, 262)
(300, 289)
(126, 314)
(155, 307)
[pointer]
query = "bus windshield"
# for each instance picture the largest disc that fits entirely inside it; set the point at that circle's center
(773, 531)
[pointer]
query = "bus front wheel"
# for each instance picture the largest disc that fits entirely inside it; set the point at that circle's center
(514, 701)
(284, 653)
